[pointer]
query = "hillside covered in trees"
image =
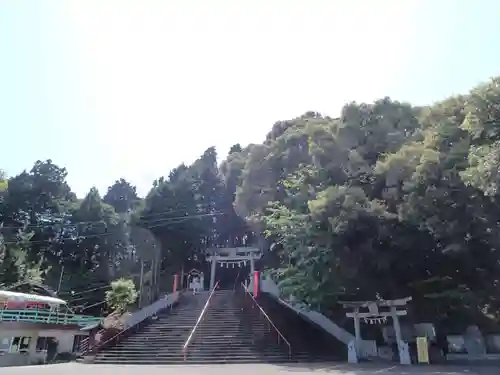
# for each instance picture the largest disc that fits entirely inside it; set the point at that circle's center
(387, 200)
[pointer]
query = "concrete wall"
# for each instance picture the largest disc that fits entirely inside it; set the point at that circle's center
(65, 338)
(147, 311)
(267, 285)
(14, 359)
(368, 348)
(65, 344)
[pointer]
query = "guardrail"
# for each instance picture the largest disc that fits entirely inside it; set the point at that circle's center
(47, 317)
(270, 322)
(200, 318)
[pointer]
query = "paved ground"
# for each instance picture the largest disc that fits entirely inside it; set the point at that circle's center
(341, 369)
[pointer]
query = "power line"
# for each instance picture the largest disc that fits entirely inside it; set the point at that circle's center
(89, 306)
(165, 220)
(88, 290)
(163, 272)
(174, 220)
(70, 225)
(103, 285)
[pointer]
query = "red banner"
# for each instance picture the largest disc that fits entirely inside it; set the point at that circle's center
(21, 305)
(176, 282)
(256, 283)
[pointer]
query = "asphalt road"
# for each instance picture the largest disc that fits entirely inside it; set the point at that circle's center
(261, 369)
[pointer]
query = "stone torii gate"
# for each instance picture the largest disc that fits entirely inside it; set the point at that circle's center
(231, 256)
(393, 309)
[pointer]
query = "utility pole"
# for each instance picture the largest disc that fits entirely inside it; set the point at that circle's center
(60, 279)
(182, 277)
(141, 281)
(152, 281)
(158, 274)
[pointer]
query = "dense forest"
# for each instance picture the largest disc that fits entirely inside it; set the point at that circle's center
(387, 200)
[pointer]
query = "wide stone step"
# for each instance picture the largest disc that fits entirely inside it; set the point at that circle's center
(168, 322)
(151, 340)
(205, 359)
(197, 340)
(199, 352)
(214, 332)
(177, 350)
(205, 332)
(152, 344)
(202, 328)
(222, 344)
(190, 324)
(149, 337)
(207, 356)
(192, 354)
(236, 351)
(208, 360)
(159, 338)
(167, 328)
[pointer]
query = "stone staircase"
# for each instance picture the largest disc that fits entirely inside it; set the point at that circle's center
(233, 330)
(161, 341)
(233, 333)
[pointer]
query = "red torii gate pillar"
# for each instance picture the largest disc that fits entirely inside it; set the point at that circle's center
(256, 283)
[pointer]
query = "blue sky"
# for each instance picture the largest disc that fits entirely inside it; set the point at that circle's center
(130, 89)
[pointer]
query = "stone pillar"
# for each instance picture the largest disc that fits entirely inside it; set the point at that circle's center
(32, 348)
(357, 331)
(404, 354)
(212, 272)
(92, 339)
(352, 356)
(252, 267)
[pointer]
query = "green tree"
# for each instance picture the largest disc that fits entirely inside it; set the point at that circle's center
(386, 200)
(122, 196)
(121, 295)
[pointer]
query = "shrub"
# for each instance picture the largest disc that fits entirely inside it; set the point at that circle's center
(121, 295)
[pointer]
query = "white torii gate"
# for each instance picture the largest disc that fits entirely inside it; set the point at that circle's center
(394, 309)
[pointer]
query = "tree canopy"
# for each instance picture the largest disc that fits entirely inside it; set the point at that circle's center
(385, 201)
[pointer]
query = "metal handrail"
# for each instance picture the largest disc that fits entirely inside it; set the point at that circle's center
(280, 335)
(202, 314)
